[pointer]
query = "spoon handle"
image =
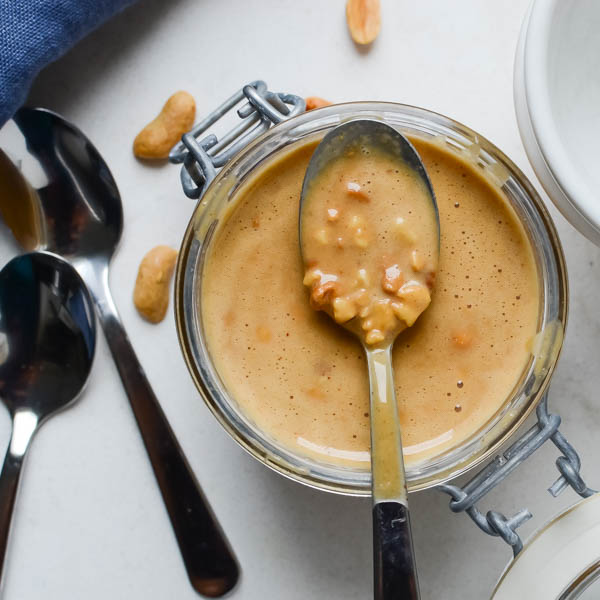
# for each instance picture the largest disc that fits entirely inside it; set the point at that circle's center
(209, 560)
(395, 569)
(394, 565)
(24, 425)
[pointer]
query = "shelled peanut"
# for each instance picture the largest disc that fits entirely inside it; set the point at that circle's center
(157, 138)
(151, 293)
(364, 20)
(313, 102)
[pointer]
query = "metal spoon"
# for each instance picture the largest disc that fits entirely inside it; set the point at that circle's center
(47, 343)
(82, 220)
(395, 572)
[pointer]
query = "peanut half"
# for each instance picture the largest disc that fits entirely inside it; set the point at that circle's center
(160, 135)
(364, 20)
(313, 102)
(151, 293)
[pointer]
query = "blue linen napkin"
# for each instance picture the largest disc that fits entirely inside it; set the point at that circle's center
(33, 33)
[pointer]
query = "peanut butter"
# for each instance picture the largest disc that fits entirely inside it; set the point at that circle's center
(370, 243)
(302, 379)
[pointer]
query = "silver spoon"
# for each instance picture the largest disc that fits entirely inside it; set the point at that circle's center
(47, 343)
(82, 220)
(395, 572)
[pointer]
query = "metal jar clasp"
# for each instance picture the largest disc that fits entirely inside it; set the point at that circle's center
(202, 157)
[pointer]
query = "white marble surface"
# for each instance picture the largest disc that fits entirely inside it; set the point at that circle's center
(90, 522)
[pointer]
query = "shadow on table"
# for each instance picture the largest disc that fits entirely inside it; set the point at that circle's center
(329, 537)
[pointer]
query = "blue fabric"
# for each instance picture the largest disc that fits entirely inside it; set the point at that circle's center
(34, 33)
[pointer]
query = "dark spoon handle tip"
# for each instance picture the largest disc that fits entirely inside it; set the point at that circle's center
(395, 569)
(209, 560)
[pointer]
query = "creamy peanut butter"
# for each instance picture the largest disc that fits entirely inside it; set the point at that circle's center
(302, 379)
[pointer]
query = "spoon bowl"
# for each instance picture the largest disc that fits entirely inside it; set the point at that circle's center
(47, 333)
(81, 205)
(372, 134)
(47, 344)
(344, 255)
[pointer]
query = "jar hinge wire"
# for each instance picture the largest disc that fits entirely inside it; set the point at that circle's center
(202, 158)
(495, 523)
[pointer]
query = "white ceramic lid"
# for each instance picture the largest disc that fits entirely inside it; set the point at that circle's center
(561, 561)
(557, 100)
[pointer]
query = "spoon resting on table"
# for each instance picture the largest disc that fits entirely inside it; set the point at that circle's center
(75, 210)
(47, 344)
(369, 237)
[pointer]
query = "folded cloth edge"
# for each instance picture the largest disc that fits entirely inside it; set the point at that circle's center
(35, 33)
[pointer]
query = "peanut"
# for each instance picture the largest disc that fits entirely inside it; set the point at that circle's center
(160, 135)
(322, 295)
(360, 235)
(364, 312)
(151, 293)
(363, 277)
(404, 231)
(364, 20)
(392, 279)
(361, 297)
(415, 299)
(380, 321)
(374, 337)
(333, 214)
(355, 191)
(313, 102)
(417, 261)
(343, 309)
(311, 276)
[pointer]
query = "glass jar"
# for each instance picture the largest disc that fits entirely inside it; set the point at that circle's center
(529, 208)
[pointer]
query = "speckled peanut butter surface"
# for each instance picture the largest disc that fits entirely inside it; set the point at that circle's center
(303, 380)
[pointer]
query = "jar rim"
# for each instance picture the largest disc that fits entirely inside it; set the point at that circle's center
(532, 214)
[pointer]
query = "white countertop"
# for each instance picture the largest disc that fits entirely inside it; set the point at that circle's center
(90, 522)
